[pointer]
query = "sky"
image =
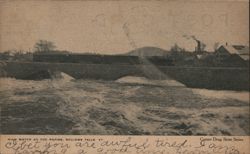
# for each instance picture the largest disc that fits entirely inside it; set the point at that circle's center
(113, 27)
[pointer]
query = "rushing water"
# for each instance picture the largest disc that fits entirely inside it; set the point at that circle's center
(130, 105)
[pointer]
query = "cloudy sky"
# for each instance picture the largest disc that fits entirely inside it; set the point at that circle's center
(119, 26)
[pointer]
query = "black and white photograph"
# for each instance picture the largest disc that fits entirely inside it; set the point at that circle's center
(155, 68)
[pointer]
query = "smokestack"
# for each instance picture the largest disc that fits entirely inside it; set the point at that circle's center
(198, 46)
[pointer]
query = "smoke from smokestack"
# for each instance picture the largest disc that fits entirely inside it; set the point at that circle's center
(200, 45)
(194, 38)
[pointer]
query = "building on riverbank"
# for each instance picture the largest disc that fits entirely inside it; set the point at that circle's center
(239, 50)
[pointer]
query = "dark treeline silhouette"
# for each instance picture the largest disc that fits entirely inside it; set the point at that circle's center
(45, 51)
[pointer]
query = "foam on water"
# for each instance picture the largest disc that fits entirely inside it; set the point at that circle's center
(61, 76)
(223, 94)
(104, 107)
(145, 81)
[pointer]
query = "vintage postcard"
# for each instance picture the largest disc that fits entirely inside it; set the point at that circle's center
(123, 76)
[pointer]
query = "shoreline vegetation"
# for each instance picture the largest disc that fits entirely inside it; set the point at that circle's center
(156, 56)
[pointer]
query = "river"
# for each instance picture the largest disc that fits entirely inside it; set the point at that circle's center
(128, 106)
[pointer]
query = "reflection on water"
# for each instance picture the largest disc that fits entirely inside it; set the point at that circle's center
(128, 106)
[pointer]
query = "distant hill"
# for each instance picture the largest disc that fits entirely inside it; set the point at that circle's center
(148, 51)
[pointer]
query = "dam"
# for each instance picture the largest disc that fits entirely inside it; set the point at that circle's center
(225, 78)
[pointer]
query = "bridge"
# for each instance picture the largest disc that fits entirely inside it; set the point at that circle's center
(226, 78)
